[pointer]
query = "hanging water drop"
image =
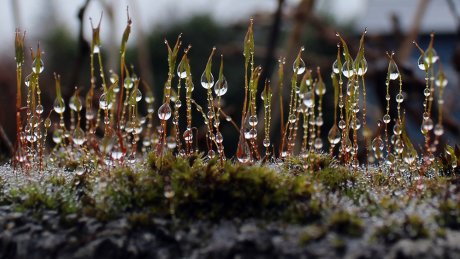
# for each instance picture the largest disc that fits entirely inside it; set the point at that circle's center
(181, 70)
(27, 80)
(78, 136)
(128, 84)
(104, 102)
(221, 86)
(360, 66)
(205, 82)
(253, 120)
(35, 64)
(308, 99)
(438, 130)
(59, 105)
(75, 103)
(335, 67)
(393, 71)
(431, 56)
(347, 70)
(243, 152)
(164, 112)
(334, 135)
(300, 68)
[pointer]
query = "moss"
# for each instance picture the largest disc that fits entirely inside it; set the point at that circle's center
(343, 222)
(412, 227)
(337, 178)
(449, 214)
(312, 233)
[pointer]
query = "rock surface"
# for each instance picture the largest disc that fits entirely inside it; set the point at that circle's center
(24, 235)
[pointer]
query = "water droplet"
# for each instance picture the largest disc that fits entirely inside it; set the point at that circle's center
(253, 120)
(397, 130)
(188, 135)
(75, 103)
(39, 109)
(219, 137)
(334, 135)
(116, 154)
(335, 67)
(342, 124)
(266, 143)
(137, 95)
(427, 92)
(318, 143)
(431, 56)
(57, 136)
(421, 63)
(59, 105)
(441, 80)
(292, 118)
(104, 102)
(177, 104)
(113, 78)
(308, 99)
(393, 71)
(300, 68)
(80, 170)
(96, 49)
(361, 66)
(207, 84)
(221, 86)
(27, 80)
(129, 83)
(438, 130)
(386, 118)
(48, 122)
(347, 70)
(78, 136)
(399, 98)
(427, 125)
(35, 64)
(181, 70)
(171, 142)
(243, 152)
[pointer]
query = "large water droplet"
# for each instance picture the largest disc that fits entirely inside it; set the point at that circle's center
(334, 135)
(253, 120)
(427, 125)
(438, 130)
(347, 70)
(377, 144)
(181, 70)
(386, 118)
(35, 64)
(104, 102)
(308, 99)
(335, 67)
(243, 153)
(59, 105)
(75, 103)
(300, 68)
(431, 56)
(171, 142)
(393, 71)
(207, 84)
(164, 112)
(421, 63)
(188, 135)
(78, 136)
(361, 66)
(128, 84)
(221, 86)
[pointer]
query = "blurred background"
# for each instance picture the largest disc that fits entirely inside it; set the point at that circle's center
(281, 28)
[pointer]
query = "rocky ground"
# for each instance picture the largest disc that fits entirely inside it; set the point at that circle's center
(24, 235)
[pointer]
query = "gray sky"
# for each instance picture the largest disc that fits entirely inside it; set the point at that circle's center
(147, 14)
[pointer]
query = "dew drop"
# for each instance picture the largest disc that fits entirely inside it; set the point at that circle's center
(104, 102)
(361, 66)
(431, 56)
(207, 84)
(243, 152)
(164, 112)
(128, 84)
(334, 135)
(171, 142)
(78, 136)
(266, 143)
(59, 105)
(221, 86)
(35, 64)
(335, 67)
(75, 103)
(253, 120)
(181, 70)
(386, 118)
(438, 130)
(393, 71)
(300, 68)
(27, 80)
